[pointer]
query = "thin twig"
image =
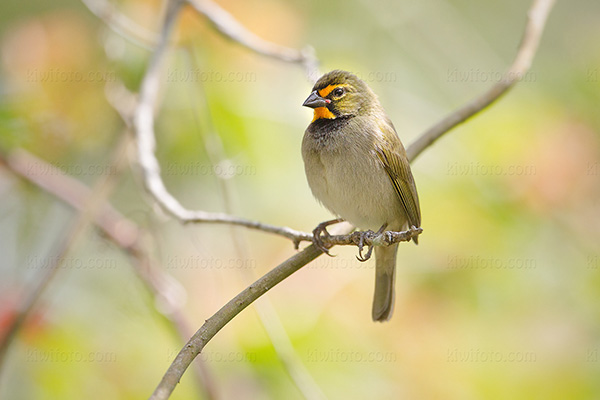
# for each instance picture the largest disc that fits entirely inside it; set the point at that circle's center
(143, 122)
(213, 146)
(90, 206)
(221, 20)
(537, 17)
(215, 323)
(120, 24)
(229, 27)
(124, 233)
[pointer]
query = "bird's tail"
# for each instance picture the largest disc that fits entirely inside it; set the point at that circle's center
(385, 273)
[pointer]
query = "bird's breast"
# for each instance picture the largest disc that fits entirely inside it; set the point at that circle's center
(345, 174)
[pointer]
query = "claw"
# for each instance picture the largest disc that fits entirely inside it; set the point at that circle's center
(415, 238)
(320, 232)
(361, 243)
(360, 257)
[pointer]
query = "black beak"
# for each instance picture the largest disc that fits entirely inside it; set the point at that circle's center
(314, 101)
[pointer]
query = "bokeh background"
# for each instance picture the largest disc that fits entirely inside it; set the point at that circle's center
(499, 300)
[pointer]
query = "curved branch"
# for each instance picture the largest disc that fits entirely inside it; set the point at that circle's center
(90, 206)
(282, 345)
(124, 233)
(120, 24)
(229, 27)
(215, 323)
(538, 14)
(536, 19)
(143, 123)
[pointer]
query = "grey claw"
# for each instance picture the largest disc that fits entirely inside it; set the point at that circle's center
(321, 231)
(361, 243)
(367, 256)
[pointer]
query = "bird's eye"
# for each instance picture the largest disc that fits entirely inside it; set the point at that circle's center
(338, 92)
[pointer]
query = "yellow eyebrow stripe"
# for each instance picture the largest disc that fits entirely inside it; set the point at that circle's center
(325, 91)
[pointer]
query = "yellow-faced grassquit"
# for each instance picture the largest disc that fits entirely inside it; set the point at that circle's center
(357, 167)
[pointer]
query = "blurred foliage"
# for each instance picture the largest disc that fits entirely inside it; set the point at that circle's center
(499, 300)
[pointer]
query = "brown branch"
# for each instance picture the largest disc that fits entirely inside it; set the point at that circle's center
(229, 27)
(370, 238)
(89, 206)
(120, 24)
(124, 233)
(143, 123)
(236, 305)
(270, 321)
(221, 20)
(215, 323)
(537, 17)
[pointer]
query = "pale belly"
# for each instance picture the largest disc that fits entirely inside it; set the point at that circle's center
(357, 190)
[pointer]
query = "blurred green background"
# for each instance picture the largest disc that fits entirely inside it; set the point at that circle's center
(500, 299)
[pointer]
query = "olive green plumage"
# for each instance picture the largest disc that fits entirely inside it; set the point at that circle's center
(357, 167)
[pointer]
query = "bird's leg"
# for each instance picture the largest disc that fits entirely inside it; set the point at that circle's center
(320, 232)
(361, 243)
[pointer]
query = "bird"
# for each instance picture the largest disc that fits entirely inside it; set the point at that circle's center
(357, 167)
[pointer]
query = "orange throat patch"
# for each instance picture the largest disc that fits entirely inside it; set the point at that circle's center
(322, 112)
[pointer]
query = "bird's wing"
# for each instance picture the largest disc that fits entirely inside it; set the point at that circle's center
(393, 157)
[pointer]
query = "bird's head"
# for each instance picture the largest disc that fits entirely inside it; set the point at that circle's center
(340, 94)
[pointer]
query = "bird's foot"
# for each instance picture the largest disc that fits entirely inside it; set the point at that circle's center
(361, 243)
(320, 232)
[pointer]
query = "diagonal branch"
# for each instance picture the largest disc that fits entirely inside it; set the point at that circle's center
(536, 19)
(215, 323)
(143, 123)
(19, 162)
(228, 26)
(270, 321)
(124, 233)
(538, 14)
(120, 24)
